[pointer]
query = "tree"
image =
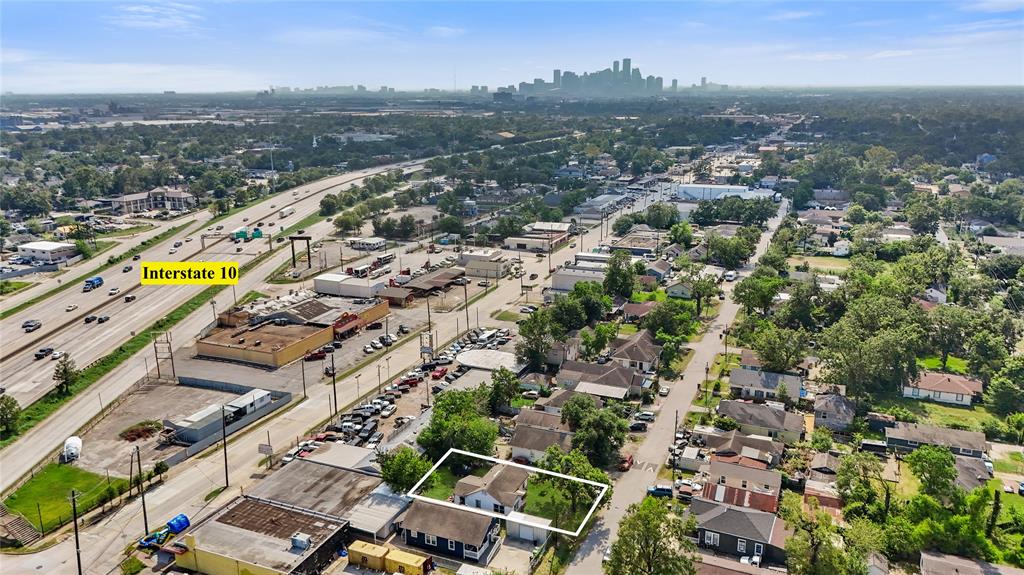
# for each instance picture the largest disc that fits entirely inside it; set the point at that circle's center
(780, 349)
(935, 467)
(950, 325)
(458, 421)
(600, 435)
(681, 234)
(1015, 421)
(985, 354)
(859, 477)
(591, 296)
(65, 374)
(593, 342)
(574, 464)
(619, 276)
(535, 340)
(758, 291)
(402, 468)
(814, 548)
(576, 409)
(729, 252)
(670, 316)
(504, 388)
(703, 287)
(568, 313)
(652, 541)
(821, 440)
(10, 412)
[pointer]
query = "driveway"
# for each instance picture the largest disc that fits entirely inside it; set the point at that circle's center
(632, 485)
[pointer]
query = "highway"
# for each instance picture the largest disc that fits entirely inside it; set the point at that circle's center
(189, 482)
(29, 379)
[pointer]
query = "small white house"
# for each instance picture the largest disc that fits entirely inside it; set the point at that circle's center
(944, 388)
(501, 490)
(841, 249)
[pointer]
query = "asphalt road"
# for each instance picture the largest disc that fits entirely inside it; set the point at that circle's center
(632, 485)
(189, 482)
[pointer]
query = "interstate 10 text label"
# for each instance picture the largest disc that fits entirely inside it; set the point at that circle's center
(189, 273)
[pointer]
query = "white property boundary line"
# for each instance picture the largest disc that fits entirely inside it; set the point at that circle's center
(597, 501)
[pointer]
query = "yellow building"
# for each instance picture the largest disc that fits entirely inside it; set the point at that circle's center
(268, 344)
(398, 561)
(367, 555)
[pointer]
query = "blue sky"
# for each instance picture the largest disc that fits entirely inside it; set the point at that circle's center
(213, 46)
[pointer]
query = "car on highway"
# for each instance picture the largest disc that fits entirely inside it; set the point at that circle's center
(129, 298)
(57, 355)
(103, 319)
(177, 244)
(245, 219)
(43, 352)
(221, 227)
(172, 251)
(31, 325)
(114, 291)
(126, 269)
(533, 276)
(90, 318)
(71, 307)
(136, 257)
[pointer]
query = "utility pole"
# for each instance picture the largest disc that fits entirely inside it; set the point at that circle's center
(131, 476)
(142, 493)
(465, 295)
(334, 384)
(304, 396)
(224, 440)
(429, 324)
(74, 515)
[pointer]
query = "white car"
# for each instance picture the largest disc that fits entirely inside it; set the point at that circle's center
(530, 394)
(377, 345)
(730, 276)
(367, 349)
(527, 309)
(607, 555)
(57, 355)
(388, 411)
(172, 251)
(114, 291)
(71, 307)
(663, 391)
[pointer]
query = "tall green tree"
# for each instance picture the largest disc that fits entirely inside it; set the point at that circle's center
(757, 292)
(576, 465)
(652, 541)
(503, 389)
(458, 421)
(935, 467)
(576, 409)
(66, 374)
(681, 234)
(600, 435)
(986, 352)
(402, 468)
(10, 413)
(950, 326)
(619, 277)
(780, 349)
(535, 340)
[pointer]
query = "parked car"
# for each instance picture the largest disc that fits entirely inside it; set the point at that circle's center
(533, 276)
(731, 275)
(367, 349)
(660, 491)
(376, 344)
(315, 355)
(625, 463)
(483, 283)
(638, 426)
(388, 411)
(663, 391)
(530, 394)
(439, 373)
(644, 416)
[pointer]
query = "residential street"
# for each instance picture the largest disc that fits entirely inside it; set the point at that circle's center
(632, 486)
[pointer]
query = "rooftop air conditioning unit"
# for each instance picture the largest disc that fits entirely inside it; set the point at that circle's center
(300, 540)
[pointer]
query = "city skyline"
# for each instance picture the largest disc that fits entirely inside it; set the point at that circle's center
(209, 47)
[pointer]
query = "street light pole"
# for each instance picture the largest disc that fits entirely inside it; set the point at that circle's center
(334, 384)
(142, 493)
(304, 396)
(224, 440)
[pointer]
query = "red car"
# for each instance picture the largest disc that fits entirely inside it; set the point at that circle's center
(315, 356)
(439, 373)
(411, 381)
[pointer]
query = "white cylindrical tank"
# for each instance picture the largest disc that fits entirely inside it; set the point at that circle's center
(72, 448)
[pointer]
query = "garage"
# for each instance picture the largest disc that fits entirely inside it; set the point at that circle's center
(516, 527)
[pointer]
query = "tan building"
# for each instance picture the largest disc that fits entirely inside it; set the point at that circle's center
(267, 344)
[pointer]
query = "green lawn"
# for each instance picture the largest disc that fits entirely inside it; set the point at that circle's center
(627, 328)
(642, 296)
(51, 488)
(940, 414)
(521, 402)
(953, 364)
(909, 484)
(507, 316)
(126, 231)
(545, 500)
(7, 287)
(1013, 464)
(716, 368)
(823, 263)
(1007, 499)
(441, 484)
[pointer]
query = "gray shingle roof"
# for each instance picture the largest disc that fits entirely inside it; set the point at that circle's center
(539, 438)
(441, 521)
(931, 435)
(766, 380)
(731, 520)
(761, 415)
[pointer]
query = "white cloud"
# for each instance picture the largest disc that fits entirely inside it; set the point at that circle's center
(789, 15)
(817, 56)
(170, 16)
(10, 56)
(445, 32)
(994, 6)
(886, 54)
(331, 37)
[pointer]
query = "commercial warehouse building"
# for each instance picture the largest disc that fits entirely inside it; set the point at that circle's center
(485, 263)
(540, 236)
(268, 344)
(49, 252)
(346, 285)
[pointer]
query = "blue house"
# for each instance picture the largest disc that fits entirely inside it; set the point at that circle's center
(463, 535)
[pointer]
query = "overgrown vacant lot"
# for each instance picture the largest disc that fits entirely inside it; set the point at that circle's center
(941, 414)
(51, 490)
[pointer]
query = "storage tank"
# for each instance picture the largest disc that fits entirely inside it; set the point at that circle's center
(72, 448)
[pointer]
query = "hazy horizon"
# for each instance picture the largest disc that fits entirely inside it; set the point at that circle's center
(200, 47)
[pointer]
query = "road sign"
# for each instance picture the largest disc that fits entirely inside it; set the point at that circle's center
(266, 449)
(426, 349)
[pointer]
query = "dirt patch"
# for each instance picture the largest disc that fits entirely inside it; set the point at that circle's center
(141, 430)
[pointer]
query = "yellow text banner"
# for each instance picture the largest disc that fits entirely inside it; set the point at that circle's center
(189, 273)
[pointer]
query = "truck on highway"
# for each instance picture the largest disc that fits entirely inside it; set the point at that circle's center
(286, 212)
(92, 283)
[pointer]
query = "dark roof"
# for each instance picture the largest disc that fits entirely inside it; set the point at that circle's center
(638, 309)
(310, 309)
(558, 398)
(660, 266)
(735, 441)
(639, 347)
(761, 415)
(395, 293)
(767, 380)
(971, 472)
(825, 463)
(835, 403)
(941, 564)
(435, 279)
(749, 359)
(505, 483)
(735, 475)
(948, 383)
(609, 373)
(931, 435)
(538, 418)
(539, 438)
(447, 522)
(731, 520)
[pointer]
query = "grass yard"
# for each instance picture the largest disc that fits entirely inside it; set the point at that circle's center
(127, 231)
(521, 402)
(627, 329)
(545, 500)
(953, 364)
(7, 287)
(908, 484)
(252, 296)
(827, 264)
(642, 296)
(51, 489)
(1013, 464)
(940, 414)
(442, 483)
(507, 316)
(1008, 499)
(720, 363)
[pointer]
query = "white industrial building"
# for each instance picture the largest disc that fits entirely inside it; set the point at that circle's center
(528, 243)
(49, 252)
(346, 286)
(697, 192)
(368, 244)
(564, 278)
(485, 263)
